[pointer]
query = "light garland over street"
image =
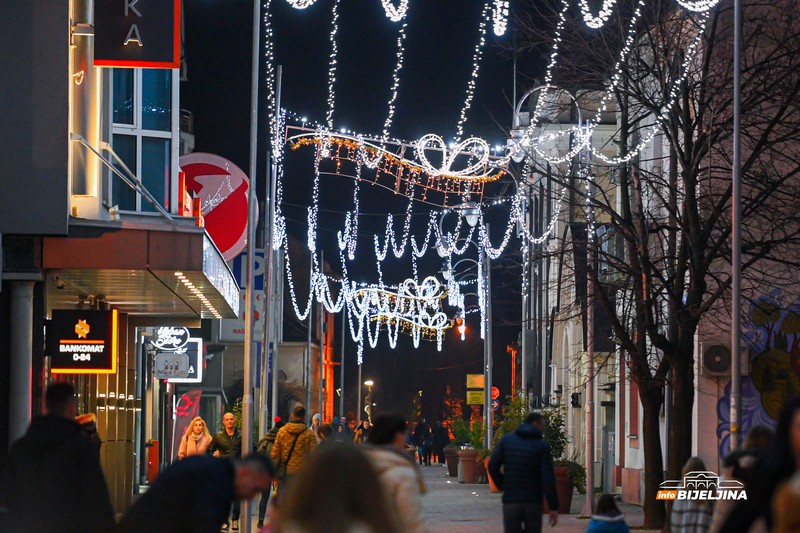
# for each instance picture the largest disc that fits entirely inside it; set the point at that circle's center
(456, 184)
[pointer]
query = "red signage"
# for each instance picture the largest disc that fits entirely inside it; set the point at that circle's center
(495, 393)
(222, 190)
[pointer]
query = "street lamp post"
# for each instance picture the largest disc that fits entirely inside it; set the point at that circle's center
(368, 408)
(358, 406)
(341, 369)
(487, 348)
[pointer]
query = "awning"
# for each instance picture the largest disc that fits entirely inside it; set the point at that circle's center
(139, 268)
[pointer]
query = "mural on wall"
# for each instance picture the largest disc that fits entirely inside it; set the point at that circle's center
(772, 334)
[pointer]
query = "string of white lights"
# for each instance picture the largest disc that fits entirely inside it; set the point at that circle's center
(669, 103)
(700, 6)
(395, 13)
(500, 15)
(476, 63)
(630, 39)
(301, 4)
(332, 65)
(398, 67)
(601, 18)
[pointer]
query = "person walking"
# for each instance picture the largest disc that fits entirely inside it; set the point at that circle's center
(422, 435)
(691, 516)
(316, 422)
(362, 433)
(526, 478)
(293, 446)
(339, 492)
(343, 433)
(400, 478)
(195, 495)
(196, 440)
(55, 480)
(440, 439)
(228, 443)
(607, 517)
(776, 466)
(264, 447)
(738, 466)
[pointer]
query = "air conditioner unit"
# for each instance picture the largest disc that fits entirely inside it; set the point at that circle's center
(716, 358)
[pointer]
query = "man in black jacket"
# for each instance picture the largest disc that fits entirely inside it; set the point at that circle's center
(228, 443)
(526, 478)
(195, 495)
(55, 479)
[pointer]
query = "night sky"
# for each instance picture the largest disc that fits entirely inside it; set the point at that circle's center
(441, 39)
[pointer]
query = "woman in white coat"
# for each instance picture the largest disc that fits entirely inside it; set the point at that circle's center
(402, 482)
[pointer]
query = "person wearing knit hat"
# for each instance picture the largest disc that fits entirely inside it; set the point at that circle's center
(316, 422)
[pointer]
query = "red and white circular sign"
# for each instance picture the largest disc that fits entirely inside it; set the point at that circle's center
(222, 188)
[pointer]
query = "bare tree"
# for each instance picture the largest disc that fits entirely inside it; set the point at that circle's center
(671, 214)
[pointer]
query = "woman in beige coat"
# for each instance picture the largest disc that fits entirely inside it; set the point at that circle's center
(401, 479)
(338, 492)
(196, 440)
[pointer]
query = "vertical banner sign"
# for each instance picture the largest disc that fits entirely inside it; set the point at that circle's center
(137, 33)
(83, 342)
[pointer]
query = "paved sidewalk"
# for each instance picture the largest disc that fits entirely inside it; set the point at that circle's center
(453, 507)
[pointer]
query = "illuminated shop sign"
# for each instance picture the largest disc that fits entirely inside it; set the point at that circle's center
(137, 33)
(194, 372)
(83, 342)
(169, 339)
(179, 357)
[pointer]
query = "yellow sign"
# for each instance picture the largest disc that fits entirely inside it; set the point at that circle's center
(475, 381)
(475, 397)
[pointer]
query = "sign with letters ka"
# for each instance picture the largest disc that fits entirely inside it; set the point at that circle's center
(137, 33)
(83, 342)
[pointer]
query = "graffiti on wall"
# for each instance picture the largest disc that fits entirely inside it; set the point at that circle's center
(772, 333)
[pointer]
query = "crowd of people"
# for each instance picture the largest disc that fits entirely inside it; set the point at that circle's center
(312, 479)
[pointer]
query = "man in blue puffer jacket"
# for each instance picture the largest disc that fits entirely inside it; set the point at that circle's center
(527, 476)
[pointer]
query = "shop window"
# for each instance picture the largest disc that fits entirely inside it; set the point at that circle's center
(145, 135)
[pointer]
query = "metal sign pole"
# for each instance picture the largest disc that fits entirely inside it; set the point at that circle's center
(269, 284)
(736, 223)
(247, 399)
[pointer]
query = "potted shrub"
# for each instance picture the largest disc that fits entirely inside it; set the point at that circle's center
(569, 474)
(460, 437)
(468, 456)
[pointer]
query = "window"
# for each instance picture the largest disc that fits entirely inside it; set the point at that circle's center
(145, 134)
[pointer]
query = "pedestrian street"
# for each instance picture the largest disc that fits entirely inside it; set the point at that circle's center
(453, 507)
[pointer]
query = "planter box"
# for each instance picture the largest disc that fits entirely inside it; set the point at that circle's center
(451, 457)
(468, 461)
(564, 489)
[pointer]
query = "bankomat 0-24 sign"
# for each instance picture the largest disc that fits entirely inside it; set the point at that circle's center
(83, 342)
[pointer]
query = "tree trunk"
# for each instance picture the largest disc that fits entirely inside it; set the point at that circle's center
(680, 432)
(654, 511)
